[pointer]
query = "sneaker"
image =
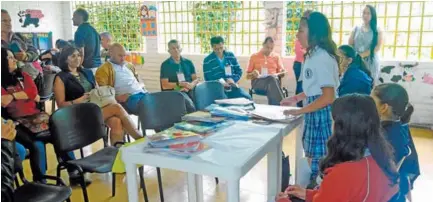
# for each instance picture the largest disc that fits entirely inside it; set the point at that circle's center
(75, 179)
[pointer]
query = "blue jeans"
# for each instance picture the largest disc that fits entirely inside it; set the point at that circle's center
(131, 104)
(238, 93)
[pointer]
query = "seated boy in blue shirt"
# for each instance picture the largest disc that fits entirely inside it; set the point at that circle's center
(222, 65)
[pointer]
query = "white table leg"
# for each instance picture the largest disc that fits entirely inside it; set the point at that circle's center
(192, 189)
(301, 166)
(131, 180)
(233, 191)
(274, 171)
(199, 187)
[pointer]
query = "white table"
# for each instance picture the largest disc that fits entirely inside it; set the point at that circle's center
(234, 151)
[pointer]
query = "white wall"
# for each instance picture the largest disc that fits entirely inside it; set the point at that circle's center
(57, 17)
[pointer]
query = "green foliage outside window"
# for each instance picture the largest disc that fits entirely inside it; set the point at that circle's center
(294, 12)
(120, 19)
(212, 18)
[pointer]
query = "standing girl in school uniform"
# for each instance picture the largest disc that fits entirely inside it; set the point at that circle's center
(392, 102)
(319, 80)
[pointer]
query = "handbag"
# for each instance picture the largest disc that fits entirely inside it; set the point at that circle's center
(35, 123)
(102, 96)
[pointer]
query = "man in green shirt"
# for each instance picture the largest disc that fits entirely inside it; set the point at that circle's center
(178, 73)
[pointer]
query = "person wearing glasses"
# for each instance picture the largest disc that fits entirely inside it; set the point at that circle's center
(178, 73)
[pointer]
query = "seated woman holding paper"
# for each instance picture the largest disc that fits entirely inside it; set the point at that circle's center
(263, 69)
(73, 85)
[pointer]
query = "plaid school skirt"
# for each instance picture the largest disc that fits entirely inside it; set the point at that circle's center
(317, 130)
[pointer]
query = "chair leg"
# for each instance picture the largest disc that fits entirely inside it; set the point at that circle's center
(217, 181)
(53, 105)
(81, 153)
(161, 194)
(17, 183)
(142, 184)
(128, 138)
(46, 157)
(84, 188)
(113, 185)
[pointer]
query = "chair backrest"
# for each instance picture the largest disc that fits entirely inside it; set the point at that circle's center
(48, 82)
(207, 92)
(161, 110)
(76, 126)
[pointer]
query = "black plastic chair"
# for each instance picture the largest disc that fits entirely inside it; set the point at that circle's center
(207, 92)
(75, 127)
(160, 111)
(38, 192)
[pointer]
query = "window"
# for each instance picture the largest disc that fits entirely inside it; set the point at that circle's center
(407, 26)
(194, 23)
(120, 18)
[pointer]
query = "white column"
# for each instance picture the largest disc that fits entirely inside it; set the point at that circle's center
(274, 28)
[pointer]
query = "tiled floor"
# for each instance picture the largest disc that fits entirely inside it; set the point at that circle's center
(253, 185)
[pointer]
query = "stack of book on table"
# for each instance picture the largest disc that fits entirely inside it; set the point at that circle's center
(176, 142)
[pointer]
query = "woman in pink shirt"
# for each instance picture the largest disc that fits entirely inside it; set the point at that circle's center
(299, 59)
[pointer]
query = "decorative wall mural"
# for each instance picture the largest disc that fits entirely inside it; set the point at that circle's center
(428, 79)
(271, 21)
(401, 73)
(30, 17)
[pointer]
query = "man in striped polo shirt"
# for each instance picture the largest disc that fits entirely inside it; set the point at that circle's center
(222, 65)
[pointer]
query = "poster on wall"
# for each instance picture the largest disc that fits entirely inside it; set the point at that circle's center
(148, 20)
(30, 17)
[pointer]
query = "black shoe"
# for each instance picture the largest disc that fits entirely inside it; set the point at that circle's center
(75, 179)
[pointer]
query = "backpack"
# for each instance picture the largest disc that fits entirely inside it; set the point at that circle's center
(285, 173)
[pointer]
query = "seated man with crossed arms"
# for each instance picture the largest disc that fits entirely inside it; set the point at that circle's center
(264, 70)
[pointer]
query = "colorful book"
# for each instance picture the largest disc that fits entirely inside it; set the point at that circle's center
(173, 136)
(180, 150)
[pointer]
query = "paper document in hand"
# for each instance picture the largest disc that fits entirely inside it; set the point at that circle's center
(234, 101)
(272, 116)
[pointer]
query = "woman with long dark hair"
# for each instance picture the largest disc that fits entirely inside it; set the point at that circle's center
(356, 78)
(72, 86)
(359, 165)
(320, 81)
(367, 40)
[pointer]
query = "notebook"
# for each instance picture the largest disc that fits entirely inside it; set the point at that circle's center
(201, 128)
(172, 136)
(202, 116)
(234, 101)
(181, 150)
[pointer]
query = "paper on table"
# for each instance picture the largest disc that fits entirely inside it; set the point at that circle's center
(235, 101)
(273, 116)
